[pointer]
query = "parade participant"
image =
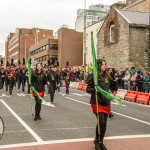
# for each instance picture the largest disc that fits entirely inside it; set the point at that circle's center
(58, 71)
(38, 81)
(103, 102)
(19, 74)
(52, 79)
(23, 72)
(2, 75)
(67, 81)
(7, 73)
(11, 77)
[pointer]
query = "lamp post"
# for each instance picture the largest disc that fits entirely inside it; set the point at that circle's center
(84, 38)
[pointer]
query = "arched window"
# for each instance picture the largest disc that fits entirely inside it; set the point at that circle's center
(112, 33)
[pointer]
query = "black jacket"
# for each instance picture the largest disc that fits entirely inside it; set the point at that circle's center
(39, 81)
(52, 77)
(104, 83)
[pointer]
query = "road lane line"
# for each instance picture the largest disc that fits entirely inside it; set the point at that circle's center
(147, 123)
(38, 139)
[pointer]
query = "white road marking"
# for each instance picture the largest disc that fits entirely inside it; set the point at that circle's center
(72, 140)
(77, 94)
(3, 95)
(70, 128)
(148, 123)
(22, 94)
(48, 104)
(18, 94)
(38, 139)
(117, 104)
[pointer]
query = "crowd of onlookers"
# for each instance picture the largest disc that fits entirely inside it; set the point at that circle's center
(129, 79)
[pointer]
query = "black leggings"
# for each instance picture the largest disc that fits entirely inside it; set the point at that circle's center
(103, 124)
(37, 106)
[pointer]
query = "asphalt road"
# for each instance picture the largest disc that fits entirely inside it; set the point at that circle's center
(71, 118)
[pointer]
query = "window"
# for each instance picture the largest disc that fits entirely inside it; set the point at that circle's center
(112, 33)
(88, 24)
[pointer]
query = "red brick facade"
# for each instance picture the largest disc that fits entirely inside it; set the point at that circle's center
(19, 43)
(70, 47)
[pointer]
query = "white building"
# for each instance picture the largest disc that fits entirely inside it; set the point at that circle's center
(93, 15)
(93, 28)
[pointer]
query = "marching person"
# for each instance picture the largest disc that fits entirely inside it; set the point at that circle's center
(19, 74)
(67, 81)
(52, 80)
(23, 72)
(103, 103)
(11, 77)
(6, 77)
(38, 81)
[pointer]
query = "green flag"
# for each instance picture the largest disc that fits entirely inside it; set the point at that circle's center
(108, 94)
(29, 78)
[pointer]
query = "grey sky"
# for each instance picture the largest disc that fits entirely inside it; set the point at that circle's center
(49, 14)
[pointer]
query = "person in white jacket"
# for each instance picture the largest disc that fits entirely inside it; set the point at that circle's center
(126, 80)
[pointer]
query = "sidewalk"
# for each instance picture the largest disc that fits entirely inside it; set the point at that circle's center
(118, 144)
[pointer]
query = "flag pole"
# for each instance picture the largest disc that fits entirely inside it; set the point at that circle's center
(30, 96)
(95, 74)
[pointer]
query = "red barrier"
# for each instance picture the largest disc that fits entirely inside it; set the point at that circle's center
(80, 86)
(84, 87)
(131, 95)
(143, 98)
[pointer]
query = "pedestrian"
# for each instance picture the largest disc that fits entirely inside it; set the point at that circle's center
(67, 81)
(146, 84)
(126, 80)
(103, 102)
(38, 81)
(52, 78)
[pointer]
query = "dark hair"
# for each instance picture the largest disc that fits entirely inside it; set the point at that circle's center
(36, 67)
(100, 73)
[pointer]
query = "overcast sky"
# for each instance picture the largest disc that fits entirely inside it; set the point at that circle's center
(49, 14)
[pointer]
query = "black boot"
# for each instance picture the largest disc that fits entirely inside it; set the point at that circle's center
(97, 145)
(102, 146)
(111, 115)
(39, 117)
(35, 118)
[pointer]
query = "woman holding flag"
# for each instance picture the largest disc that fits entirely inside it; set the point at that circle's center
(103, 103)
(38, 81)
(99, 87)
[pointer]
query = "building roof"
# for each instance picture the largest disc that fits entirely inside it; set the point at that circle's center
(132, 4)
(135, 17)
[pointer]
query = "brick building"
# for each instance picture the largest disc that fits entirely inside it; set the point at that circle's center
(123, 39)
(45, 50)
(17, 44)
(138, 5)
(70, 47)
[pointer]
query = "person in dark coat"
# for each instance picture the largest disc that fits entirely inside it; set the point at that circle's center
(38, 81)
(103, 102)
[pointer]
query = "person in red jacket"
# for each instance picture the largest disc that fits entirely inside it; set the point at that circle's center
(103, 103)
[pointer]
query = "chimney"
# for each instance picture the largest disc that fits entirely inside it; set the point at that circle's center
(128, 2)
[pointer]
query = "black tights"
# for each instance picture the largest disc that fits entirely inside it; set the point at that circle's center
(37, 106)
(103, 124)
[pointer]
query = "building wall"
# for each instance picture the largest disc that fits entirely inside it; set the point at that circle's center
(19, 44)
(139, 43)
(94, 28)
(70, 47)
(45, 50)
(116, 54)
(143, 6)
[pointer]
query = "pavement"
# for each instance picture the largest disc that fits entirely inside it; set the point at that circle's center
(70, 125)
